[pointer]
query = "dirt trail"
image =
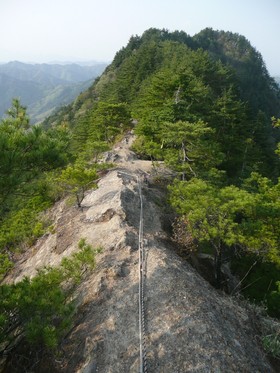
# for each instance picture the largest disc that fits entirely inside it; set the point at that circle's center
(122, 156)
(190, 326)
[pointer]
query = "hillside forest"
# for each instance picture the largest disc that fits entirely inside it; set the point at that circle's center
(207, 107)
(42, 88)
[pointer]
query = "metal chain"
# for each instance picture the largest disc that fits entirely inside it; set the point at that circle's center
(142, 325)
(142, 264)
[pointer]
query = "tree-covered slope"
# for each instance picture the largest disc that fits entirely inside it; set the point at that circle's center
(216, 77)
(44, 87)
(203, 105)
(256, 86)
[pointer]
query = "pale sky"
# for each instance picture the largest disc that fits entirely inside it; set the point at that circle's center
(84, 30)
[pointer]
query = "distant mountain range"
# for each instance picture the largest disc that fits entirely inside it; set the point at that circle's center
(44, 87)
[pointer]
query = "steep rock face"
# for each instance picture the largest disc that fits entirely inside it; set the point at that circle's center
(190, 327)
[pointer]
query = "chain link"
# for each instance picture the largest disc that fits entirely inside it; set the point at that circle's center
(142, 324)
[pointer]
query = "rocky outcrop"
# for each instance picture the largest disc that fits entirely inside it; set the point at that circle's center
(190, 327)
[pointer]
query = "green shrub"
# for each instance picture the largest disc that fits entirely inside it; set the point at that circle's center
(273, 301)
(261, 282)
(271, 344)
(21, 227)
(39, 310)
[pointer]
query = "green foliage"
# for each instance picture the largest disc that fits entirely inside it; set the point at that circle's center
(30, 162)
(257, 88)
(133, 70)
(260, 279)
(210, 214)
(216, 77)
(108, 120)
(25, 152)
(81, 133)
(263, 228)
(23, 225)
(211, 211)
(17, 113)
(77, 179)
(97, 129)
(189, 87)
(271, 344)
(5, 265)
(189, 147)
(276, 124)
(40, 309)
(73, 266)
(273, 301)
(20, 228)
(231, 217)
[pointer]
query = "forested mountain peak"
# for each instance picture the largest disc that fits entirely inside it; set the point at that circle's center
(199, 74)
(257, 86)
(231, 44)
(150, 35)
(234, 51)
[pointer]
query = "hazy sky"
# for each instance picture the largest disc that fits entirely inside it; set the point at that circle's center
(73, 30)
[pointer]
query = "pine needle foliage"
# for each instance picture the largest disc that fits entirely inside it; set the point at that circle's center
(40, 310)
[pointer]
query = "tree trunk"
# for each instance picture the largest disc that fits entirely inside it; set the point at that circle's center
(218, 268)
(183, 159)
(80, 195)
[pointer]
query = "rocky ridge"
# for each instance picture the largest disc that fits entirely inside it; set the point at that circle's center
(191, 327)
